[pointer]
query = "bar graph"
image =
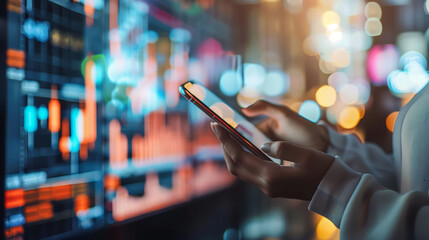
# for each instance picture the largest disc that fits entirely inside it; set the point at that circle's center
(98, 130)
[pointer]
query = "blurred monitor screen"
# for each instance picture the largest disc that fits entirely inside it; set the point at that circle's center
(96, 130)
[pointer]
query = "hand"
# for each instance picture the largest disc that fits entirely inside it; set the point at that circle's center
(299, 181)
(283, 124)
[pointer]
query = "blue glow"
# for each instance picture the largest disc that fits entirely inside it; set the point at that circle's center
(36, 30)
(397, 81)
(413, 56)
(97, 73)
(310, 110)
(230, 83)
(254, 75)
(276, 83)
(413, 78)
(115, 71)
(43, 113)
(76, 129)
(180, 35)
(30, 119)
(151, 36)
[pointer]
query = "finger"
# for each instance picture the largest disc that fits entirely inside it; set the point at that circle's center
(266, 127)
(286, 151)
(236, 152)
(241, 172)
(262, 107)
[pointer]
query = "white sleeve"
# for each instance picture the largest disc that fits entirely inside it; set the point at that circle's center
(363, 157)
(363, 209)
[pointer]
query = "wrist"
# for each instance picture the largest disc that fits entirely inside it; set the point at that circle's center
(323, 137)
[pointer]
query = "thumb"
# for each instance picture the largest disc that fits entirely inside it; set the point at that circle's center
(285, 151)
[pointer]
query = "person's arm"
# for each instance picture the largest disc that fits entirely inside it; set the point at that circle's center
(363, 209)
(284, 124)
(363, 157)
(353, 201)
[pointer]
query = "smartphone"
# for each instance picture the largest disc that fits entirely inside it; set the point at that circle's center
(238, 127)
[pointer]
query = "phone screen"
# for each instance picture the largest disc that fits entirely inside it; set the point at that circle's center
(213, 106)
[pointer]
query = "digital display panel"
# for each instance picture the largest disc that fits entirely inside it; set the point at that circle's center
(96, 130)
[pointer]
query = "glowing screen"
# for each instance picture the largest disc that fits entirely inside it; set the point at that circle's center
(234, 119)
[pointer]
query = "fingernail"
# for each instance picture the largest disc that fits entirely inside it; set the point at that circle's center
(212, 125)
(266, 147)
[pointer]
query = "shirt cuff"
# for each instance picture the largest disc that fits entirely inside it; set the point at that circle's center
(335, 191)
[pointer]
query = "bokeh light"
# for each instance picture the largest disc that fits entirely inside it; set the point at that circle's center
(276, 83)
(180, 35)
(309, 46)
(414, 76)
(349, 117)
(330, 19)
(326, 96)
(326, 67)
(223, 110)
(335, 36)
(254, 75)
(310, 110)
(197, 91)
(373, 10)
(364, 90)
(397, 81)
(349, 94)
(382, 60)
(337, 80)
(325, 229)
(340, 57)
(230, 83)
(373, 27)
(413, 57)
(390, 120)
(412, 42)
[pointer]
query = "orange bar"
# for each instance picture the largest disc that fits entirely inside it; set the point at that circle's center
(90, 112)
(31, 196)
(54, 108)
(45, 194)
(13, 8)
(115, 40)
(14, 53)
(14, 198)
(61, 192)
(89, 12)
(79, 188)
(81, 203)
(64, 140)
(118, 146)
(111, 182)
(38, 212)
(14, 231)
(14, 57)
(83, 151)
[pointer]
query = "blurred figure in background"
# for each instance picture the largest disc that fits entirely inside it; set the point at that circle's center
(365, 192)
